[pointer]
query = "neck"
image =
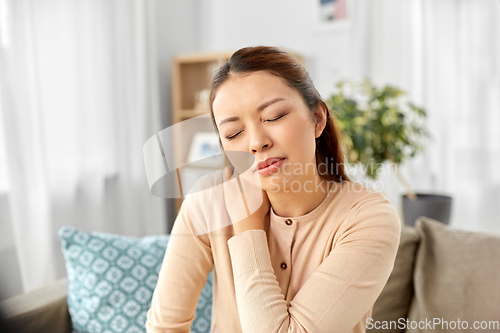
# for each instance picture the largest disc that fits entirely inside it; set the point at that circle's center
(290, 202)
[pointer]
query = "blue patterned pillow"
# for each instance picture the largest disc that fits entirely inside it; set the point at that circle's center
(112, 279)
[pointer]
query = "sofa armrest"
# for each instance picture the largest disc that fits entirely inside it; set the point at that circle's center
(41, 310)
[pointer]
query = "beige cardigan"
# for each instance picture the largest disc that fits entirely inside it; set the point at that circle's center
(320, 272)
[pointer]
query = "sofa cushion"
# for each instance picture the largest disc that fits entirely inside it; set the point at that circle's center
(112, 279)
(456, 278)
(394, 300)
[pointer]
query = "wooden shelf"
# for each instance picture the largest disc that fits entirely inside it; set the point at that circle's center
(191, 113)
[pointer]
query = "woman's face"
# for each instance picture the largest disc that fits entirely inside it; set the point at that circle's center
(260, 114)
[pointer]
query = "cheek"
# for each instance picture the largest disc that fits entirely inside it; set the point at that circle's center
(238, 145)
(297, 139)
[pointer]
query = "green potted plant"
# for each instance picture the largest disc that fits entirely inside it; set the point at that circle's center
(380, 125)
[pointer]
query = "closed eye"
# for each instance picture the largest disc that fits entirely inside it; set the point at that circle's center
(278, 118)
(229, 138)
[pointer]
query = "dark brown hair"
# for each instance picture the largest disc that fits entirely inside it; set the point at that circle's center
(329, 154)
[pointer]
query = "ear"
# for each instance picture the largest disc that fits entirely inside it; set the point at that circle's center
(320, 114)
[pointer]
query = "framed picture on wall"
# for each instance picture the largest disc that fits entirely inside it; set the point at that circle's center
(332, 14)
(204, 144)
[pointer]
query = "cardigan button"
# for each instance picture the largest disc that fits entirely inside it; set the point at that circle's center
(283, 265)
(289, 222)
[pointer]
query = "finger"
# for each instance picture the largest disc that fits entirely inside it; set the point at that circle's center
(252, 194)
(224, 199)
(251, 177)
(235, 202)
(229, 172)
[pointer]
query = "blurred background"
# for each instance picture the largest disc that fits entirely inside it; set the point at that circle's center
(84, 84)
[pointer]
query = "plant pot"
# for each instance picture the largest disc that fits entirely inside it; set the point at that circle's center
(437, 207)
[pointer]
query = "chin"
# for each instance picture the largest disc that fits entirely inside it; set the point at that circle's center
(273, 183)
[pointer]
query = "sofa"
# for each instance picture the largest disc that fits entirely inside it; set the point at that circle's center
(444, 280)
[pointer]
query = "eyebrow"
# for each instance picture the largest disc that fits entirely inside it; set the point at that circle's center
(260, 108)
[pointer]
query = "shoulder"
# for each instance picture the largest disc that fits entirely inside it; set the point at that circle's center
(355, 197)
(206, 205)
(368, 211)
(200, 195)
(353, 194)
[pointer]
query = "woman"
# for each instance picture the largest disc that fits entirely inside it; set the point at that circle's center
(315, 255)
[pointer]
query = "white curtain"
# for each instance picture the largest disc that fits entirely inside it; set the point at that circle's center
(79, 99)
(446, 54)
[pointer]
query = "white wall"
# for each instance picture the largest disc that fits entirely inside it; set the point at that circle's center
(227, 25)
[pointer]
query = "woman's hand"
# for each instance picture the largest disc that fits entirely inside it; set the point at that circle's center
(255, 220)
(253, 200)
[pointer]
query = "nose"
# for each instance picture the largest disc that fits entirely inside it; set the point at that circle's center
(259, 141)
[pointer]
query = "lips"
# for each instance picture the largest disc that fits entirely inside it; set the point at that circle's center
(268, 162)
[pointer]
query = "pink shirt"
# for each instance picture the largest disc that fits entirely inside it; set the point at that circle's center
(320, 272)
